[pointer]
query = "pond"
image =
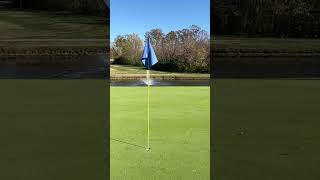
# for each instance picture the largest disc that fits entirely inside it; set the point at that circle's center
(156, 82)
(58, 67)
(265, 67)
(92, 67)
(98, 67)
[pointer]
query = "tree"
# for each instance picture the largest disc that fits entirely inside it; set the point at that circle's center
(127, 49)
(94, 7)
(157, 38)
(284, 18)
(185, 50)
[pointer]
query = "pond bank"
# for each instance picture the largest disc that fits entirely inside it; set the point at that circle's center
(240, 46)
(51, 52)
(52, 47)
(158, 77)
(261, 53)
(128, 72)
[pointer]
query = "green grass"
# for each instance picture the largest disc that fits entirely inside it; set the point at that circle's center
(264, 43)
(262, 129)
(53, 129)
(130, 72)
(28, 29)
(244, 46)
(179, 133)
(27, 24)
(266, 129)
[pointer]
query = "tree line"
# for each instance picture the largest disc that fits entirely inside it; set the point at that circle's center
(282, 18)
(93, 7)
(185, 50)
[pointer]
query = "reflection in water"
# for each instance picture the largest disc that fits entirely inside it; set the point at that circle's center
(265, 67)
(65, 68)
(156, 82)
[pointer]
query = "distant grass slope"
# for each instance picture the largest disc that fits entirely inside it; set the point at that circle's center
(265, 129)
(44, 25)
(138, 72)
(244, 46)
(179, 135)
(35, 30)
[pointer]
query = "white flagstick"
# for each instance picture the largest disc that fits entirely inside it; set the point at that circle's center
(148, 126)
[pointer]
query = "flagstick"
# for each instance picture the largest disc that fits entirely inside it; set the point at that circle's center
(148, 126)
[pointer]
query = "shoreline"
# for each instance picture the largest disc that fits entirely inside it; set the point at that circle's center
(47, 58)
(129, 72)
(258, 54)
(263, 52)
(20, 48)
(157, 77)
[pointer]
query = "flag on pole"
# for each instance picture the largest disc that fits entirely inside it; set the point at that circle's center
(149, 59)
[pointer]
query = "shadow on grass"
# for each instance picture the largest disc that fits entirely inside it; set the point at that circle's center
(128, 143)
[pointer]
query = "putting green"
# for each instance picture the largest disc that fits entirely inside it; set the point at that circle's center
(53, 129)
(179, 135)
(266, 129)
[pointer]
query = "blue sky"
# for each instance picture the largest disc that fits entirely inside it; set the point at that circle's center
(140, 16)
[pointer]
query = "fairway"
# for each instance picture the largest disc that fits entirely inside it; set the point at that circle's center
(266, 129)
(179, 135)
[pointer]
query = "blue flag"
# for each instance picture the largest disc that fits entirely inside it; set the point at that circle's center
(149, 57)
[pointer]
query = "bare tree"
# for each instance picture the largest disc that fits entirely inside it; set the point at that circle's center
(127, 49)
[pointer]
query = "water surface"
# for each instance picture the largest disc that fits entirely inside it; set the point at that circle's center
(60, 68)
(156, 82)
(265, 67)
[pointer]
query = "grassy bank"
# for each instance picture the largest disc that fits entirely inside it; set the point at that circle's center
(118, 72)
(265, 129)
(264, 47)
(53, 129)
(179, 136)
(41, 33)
